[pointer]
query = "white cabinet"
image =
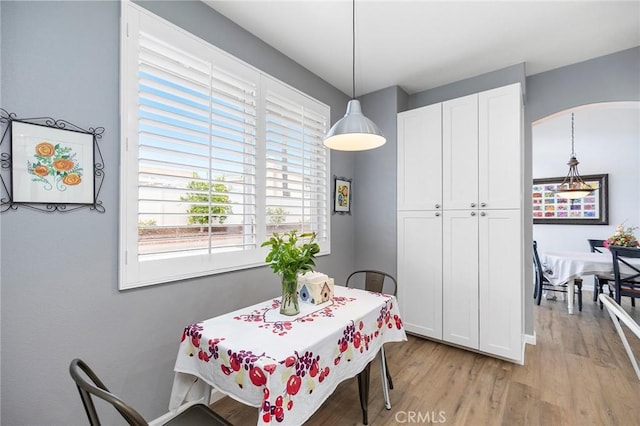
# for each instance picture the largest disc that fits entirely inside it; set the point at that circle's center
(500, 154)
(460, 153)
(500, 282)
(419, 176)
(419, 188)
(460, 277)
(420, 263)
(481, 150)
(460, 257)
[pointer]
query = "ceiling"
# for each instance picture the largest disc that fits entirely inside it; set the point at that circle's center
(419, 45)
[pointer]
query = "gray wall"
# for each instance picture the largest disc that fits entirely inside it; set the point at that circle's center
(614, 77)
(374, 187)
(59, 292)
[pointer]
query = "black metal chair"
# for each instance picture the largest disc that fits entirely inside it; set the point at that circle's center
(542, 284)
(378, 282)
(626, 275)
(597, 246)
(89, 384)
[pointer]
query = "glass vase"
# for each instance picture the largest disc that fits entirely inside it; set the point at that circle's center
(289, 302)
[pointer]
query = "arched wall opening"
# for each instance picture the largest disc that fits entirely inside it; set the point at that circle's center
(606, 141)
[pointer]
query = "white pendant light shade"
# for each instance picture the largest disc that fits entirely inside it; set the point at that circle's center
(354, 131)
(574, 194)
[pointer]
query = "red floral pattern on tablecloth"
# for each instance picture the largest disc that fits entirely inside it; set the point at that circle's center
(282, 327)
(296, 373)
(301, 372)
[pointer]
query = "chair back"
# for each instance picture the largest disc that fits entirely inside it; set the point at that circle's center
(597, 246)
(372, 280)
(537, 265)
(626, 274)
(89, 384)
(618, 315)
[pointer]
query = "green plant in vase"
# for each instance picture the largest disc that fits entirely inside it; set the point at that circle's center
(291, 254)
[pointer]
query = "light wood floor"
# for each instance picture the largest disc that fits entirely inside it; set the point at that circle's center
(577, 374)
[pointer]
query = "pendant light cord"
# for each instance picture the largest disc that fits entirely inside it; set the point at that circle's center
(573, 151)
(353, 49)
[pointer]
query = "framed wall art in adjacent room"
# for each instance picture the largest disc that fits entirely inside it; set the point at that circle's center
(592, 209)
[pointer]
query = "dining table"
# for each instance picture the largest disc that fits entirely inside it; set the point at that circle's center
(286, 366)
(565, 266)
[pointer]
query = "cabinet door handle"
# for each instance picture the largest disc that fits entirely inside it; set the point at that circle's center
(437, 206)
(473, 204)
(437, 214)
(483, 214)
(473, 213)
(483, 204)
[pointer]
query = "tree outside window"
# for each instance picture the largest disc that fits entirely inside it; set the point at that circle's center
(212, 200)
(277, 216)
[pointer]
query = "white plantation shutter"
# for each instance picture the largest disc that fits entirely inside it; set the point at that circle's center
(296, 162)
(217, 156)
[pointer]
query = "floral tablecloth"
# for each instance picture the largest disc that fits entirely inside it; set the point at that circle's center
(286, 366)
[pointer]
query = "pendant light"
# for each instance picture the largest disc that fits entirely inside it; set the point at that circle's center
(354, 131)
(573, 186)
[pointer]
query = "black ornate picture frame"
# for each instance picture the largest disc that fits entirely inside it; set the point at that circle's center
(552, 210)
(49, 165)
(342, 195)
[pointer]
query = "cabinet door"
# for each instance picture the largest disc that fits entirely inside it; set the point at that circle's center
(420, 271)
(501, 279)
(500, 152)
(419, 158)
(460, 153)
(460, 277)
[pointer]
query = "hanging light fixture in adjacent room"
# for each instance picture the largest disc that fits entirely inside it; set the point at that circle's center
(573, 186)
(354, 131)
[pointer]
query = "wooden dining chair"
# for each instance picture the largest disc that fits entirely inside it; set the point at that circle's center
(377, 282)
(89, 385)
(626, 275)
(542, 284)
(597, 246)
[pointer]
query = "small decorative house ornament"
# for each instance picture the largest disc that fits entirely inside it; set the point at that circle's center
(315, 287)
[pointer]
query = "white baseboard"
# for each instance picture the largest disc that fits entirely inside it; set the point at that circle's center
(530, 339)
(527, 339)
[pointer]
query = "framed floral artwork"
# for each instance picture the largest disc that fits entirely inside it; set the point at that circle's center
(342, 195)
(551, 209)
(52, 165)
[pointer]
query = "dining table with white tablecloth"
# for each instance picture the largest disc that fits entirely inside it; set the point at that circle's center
(565, 266)
(285, 366)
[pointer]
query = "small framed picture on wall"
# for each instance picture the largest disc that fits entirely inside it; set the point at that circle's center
(342, 195)
(49, 165)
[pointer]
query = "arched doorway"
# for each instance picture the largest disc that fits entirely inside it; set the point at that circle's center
(607, 140)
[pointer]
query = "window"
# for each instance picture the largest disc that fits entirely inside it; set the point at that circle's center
(217, 156)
